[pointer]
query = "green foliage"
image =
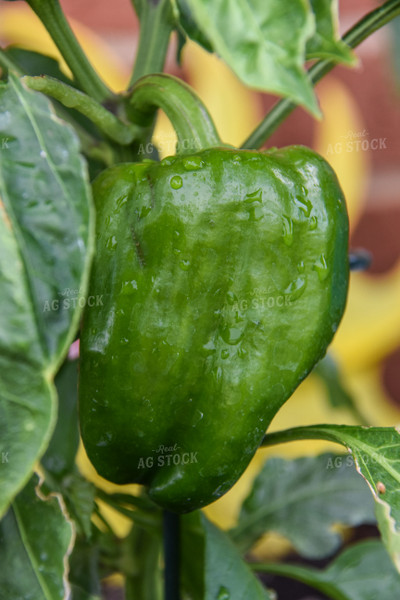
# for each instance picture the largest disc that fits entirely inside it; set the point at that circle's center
(45, 255)
(302, 500)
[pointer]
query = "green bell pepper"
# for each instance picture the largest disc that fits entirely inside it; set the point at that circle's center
(221, 277)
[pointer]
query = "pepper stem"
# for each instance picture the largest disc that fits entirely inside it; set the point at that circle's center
(191, 120)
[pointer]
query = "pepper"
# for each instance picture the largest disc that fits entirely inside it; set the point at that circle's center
(223, 276)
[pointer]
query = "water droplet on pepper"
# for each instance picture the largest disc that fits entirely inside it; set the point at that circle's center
(296, 288)
(121, 201)
(242, 353)
(197, 417)
(287, 230)
(168, 161)
(176, 182)
(192, 163)
(254, 196)
(128, 287)
(144, 211)
(232, 335)
(304, 205)
(223, 594)
(111, 243)
(321, 267)
(209, 347)
(231, 298)
(185, 265)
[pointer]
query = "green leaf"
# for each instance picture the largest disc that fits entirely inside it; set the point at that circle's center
(84, 570)
(226, 575)
(339, 397)
(188, 26)
(59, 458)
(35, 63)
(362, 572)
(61, 473)
(193, 555)
(395, 51)
(389, 531)
(303, 499)
(97, 151)
(262, 41)
(212, 568)
(79, 594)
(35, 538)
(79, 495)
(326, 42)
(46, 242)
(141, 565)
(328, 372)
(376, 452)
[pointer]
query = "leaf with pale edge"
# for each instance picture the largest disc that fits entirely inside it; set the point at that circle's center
(263, 42)
(35, 540)
(362, 572)
(303, 499)
(266, 42)
(45, 250)
(376, 452)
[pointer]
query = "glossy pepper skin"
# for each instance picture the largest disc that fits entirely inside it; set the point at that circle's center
(223, 277)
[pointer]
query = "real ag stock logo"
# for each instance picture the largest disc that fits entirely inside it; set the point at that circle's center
(357, 141)
(70, 298)
(167, 456)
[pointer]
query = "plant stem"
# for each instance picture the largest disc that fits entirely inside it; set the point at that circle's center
(357, 34)
(122, 133)
(192, 122)
(308, 432)
(171, 531)
(136, 515)
(156, 25)
(53, 18)
(140, 502)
